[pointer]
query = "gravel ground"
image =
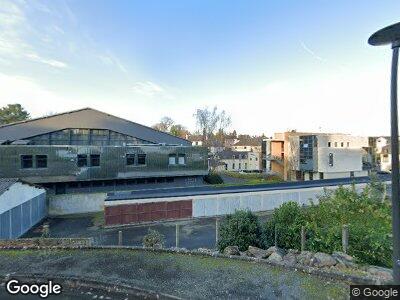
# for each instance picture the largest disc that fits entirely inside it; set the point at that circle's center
(185, 276)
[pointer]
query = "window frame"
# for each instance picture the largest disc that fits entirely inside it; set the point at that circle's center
(22, 160)
(129, 157)
(170, 156)
(179, 156)
(95, 157)
(140, 156)
(41, 157)
(80, 157)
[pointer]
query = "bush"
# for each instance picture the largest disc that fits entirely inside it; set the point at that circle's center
(287, 219)
(153, 239)
(240, 229)
(213, 178)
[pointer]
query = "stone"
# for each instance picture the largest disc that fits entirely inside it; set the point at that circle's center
(321, 259)
(305, 258)
(257, 252)
(290, 258)
(275, 257)
(381, 272)
(273, 249)
(344, 259)
(232, 250)
(205, 250)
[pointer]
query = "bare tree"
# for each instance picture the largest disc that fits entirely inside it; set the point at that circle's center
(165, 124)
(208, 121)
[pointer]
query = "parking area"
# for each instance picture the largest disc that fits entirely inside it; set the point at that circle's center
(194, 233)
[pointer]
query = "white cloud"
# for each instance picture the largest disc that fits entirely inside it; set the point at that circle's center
(150, 89)
(14, 30)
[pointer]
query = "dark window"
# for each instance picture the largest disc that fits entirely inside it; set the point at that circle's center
(41, 161)
(352, 174)
(94, 160)
(141, 159)
(331, 159)
(130, 159)
(26, 161)
(342, 144)
(82, 160)
(329, 144)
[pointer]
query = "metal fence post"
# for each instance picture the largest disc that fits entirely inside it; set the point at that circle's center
(276, 236)
(345, 238)
(216, 231)
(303, 238)
(177, 232)
(120, 238)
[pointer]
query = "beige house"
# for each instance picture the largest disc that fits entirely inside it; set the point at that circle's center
(237, 161)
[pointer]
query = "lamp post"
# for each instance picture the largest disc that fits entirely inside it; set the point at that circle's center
(391, 35)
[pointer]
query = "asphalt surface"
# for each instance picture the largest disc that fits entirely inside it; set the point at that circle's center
(194, 233)
(212, 190)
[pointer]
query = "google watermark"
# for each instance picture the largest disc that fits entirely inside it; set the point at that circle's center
(43, 290)
(374, 292)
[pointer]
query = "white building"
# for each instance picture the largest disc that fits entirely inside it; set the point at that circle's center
(325, 156)
(237, 161)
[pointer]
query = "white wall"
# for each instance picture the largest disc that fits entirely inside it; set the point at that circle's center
(67, 204)
(344, 160)
(17, 194)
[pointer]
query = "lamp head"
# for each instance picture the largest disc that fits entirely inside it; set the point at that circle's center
(388, 35)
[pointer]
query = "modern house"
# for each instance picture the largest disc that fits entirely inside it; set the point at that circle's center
(87, 150)
(237, 161)
(325, 156)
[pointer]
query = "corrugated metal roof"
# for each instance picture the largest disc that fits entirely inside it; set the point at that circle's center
(6, 183)
(86, 118)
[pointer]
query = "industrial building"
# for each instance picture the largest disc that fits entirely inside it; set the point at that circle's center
(87, 150)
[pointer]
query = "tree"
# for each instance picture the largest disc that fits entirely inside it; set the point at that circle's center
(164, 124)
(13, 113)
(178, 130)
(208, 121)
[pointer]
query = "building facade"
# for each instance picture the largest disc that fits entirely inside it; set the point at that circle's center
(237, 161)
(88, 148)
(325, 156)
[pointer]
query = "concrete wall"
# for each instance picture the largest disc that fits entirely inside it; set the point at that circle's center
(344, 160)
(67, 204)
(218, 205)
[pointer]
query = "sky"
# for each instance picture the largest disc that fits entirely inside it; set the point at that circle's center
(271, 65)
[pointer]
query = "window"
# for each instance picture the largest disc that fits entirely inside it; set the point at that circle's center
(130, 159)
(331, 159)
(94, 160)
(226, 167)
(82, 160)
(240, 166)
(141, 159)
(182, 159)
(245, 166)
(342, 144)
(41, 161)
(348, 144)
(335, 144)
(26, 161)
(233, 166)
(172, 159)
(329, 144)
(256, 158)
(351, 174)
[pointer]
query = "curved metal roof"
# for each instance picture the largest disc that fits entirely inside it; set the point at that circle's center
(86, 118)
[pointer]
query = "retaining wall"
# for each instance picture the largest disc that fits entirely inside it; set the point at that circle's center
(67, 204)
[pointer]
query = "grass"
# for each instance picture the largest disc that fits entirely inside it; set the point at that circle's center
(182, 275)
(250, 178)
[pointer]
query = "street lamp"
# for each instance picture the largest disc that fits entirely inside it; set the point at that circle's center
(391, 35)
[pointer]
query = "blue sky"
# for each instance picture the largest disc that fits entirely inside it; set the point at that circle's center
(272, 65)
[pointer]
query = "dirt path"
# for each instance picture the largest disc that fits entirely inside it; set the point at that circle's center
(181, 275)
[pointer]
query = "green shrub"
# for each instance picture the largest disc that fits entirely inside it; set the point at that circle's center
(153, 239)
(213, 178)
(287, 219)
(240, 229)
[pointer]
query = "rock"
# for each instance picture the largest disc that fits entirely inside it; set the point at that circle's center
(257, 252)
(381, 272)
(344, 259)
(305, 258)
(290, 258)
(232, 250)
(321, 259)
(273, 249)
(275, 257)
(205, 250)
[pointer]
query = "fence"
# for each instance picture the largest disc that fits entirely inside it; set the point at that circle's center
(18, 220)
